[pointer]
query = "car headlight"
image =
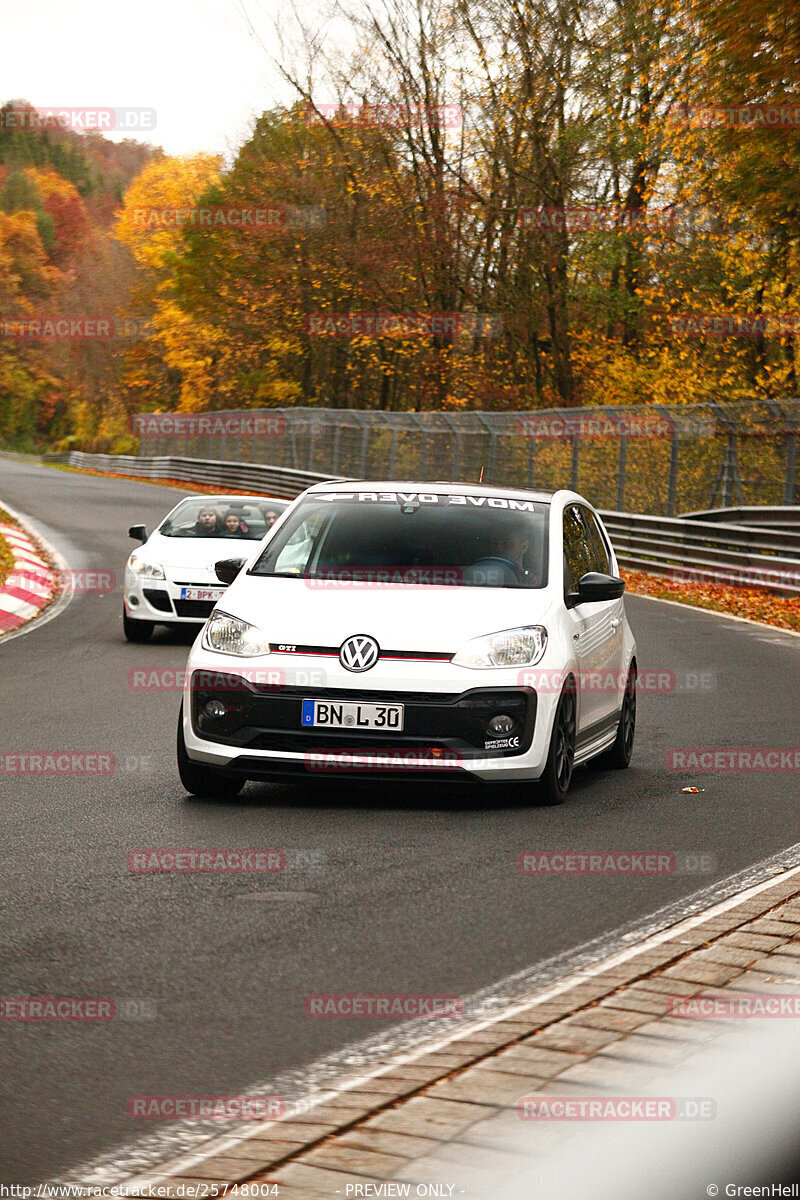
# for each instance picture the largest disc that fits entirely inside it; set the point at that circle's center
(229, 635)
(147, 570)
(510, 648)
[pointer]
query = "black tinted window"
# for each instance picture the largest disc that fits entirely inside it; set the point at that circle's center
(464, 544)
(577, 549)
(596, 543)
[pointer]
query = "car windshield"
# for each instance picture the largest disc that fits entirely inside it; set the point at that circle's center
(440, 539)
(221, 517)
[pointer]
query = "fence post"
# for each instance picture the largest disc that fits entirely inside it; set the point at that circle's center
(393, 452)
(337, 438)
(364, 448)
(531, 453)
(623, 458)
(573, 479)
(311, 436)
(791, 467)
(672, 486)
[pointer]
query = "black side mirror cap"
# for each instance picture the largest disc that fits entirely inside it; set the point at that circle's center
(227, 569)
(594, 587)
(139, 532)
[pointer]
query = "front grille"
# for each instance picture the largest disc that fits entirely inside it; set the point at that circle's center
(263, 718)
(158, 599)
(194, 608)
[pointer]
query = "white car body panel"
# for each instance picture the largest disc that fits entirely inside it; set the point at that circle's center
(186, 561)
(590, 637)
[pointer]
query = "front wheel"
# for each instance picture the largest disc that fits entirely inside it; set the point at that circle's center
(620, 752)
(200, 780)
(136, 631)
(555, 779)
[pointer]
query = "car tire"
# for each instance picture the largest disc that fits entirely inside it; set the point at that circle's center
(555, 779)
(618, 756)
(137, 631)
(200, 780)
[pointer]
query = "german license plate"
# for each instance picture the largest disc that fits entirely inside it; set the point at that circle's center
(201, 593)
(336, 714)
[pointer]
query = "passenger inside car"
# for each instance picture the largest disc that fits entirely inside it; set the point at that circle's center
(234, 526)
(208, 523)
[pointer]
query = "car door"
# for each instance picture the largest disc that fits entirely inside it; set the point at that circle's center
(596, 628)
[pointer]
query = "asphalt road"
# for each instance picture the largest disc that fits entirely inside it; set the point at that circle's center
(403, 889)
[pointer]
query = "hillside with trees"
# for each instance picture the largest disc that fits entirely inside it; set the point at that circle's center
(600, 197)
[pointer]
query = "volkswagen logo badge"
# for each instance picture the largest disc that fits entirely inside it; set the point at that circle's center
(359, 652)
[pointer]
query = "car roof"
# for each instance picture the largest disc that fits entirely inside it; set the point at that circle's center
(238, 499)
(439, 486)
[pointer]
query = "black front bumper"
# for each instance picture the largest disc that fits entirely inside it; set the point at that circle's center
(261, 717)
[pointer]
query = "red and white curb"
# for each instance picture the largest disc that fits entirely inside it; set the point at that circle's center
(32, 584)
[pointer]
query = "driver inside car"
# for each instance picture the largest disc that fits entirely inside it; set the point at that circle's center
(505, 567)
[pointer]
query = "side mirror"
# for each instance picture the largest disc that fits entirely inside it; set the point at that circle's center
(228, 568)
(138, 531)
(594, 586)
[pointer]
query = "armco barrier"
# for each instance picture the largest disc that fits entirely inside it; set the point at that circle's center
(771, 516)
(755, 557)
(248, 477)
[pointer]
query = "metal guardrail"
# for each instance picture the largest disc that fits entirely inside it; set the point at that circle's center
(774, 516)
(247, 477)
(708, 551)
(691, 549)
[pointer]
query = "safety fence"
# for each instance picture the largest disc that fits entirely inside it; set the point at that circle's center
(653, 458)
(740, 555)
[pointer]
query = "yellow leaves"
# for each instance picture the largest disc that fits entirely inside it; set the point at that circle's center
(150, 223)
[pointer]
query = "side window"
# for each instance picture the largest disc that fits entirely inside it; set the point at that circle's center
(577, 551)
(596, 542)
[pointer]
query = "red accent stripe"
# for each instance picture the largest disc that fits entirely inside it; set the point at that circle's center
(10, 620)
(29, 597)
